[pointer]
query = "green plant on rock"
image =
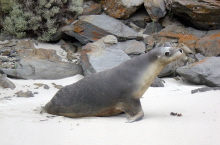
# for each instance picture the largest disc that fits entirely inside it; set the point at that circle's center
(6, 5)
(39, 18)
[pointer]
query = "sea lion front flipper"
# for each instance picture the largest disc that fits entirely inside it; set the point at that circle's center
(133, 110)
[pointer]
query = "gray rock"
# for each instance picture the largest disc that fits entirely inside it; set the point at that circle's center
(100, 56)
(90, 28)
(158, 82)
(155, 8)
(209, 45)
(5, 82)
(34, 68)
(204, 72)
(46, 87)
(204, 89)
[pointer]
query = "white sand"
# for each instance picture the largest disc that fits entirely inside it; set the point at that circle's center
(22, 124)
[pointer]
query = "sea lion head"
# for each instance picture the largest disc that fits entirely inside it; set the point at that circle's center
(166, 55)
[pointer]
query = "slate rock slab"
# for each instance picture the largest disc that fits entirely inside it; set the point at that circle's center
(101, 55)
(34, 68)
(204, 72)
(90, 28)
(201, 14)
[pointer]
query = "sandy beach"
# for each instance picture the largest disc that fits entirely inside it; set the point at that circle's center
(22, 123)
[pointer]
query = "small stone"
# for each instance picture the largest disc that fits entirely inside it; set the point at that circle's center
(25, 94)
(46, 87)
(110, 39)
(57, 86)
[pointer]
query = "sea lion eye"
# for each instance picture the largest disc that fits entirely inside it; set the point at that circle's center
(167, 53)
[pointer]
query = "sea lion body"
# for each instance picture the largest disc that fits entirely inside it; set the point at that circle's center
(115, 90)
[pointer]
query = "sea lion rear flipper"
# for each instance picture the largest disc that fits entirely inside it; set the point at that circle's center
(133, 110)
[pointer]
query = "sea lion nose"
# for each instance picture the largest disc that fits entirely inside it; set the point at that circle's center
(181, 50)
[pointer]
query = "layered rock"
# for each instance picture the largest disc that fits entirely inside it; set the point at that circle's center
(202, 14)
(204, 72)
(93, 27)
(121, 8)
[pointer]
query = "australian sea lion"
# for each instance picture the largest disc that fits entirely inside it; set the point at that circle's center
(115, 90)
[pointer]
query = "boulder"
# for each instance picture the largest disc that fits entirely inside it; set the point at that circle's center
(34, 68)
(201, 14)
(155, 8)
(209, 45)
(121, 8)
(5, 82)
(101, 55)
(204, 72)
(90, 28)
